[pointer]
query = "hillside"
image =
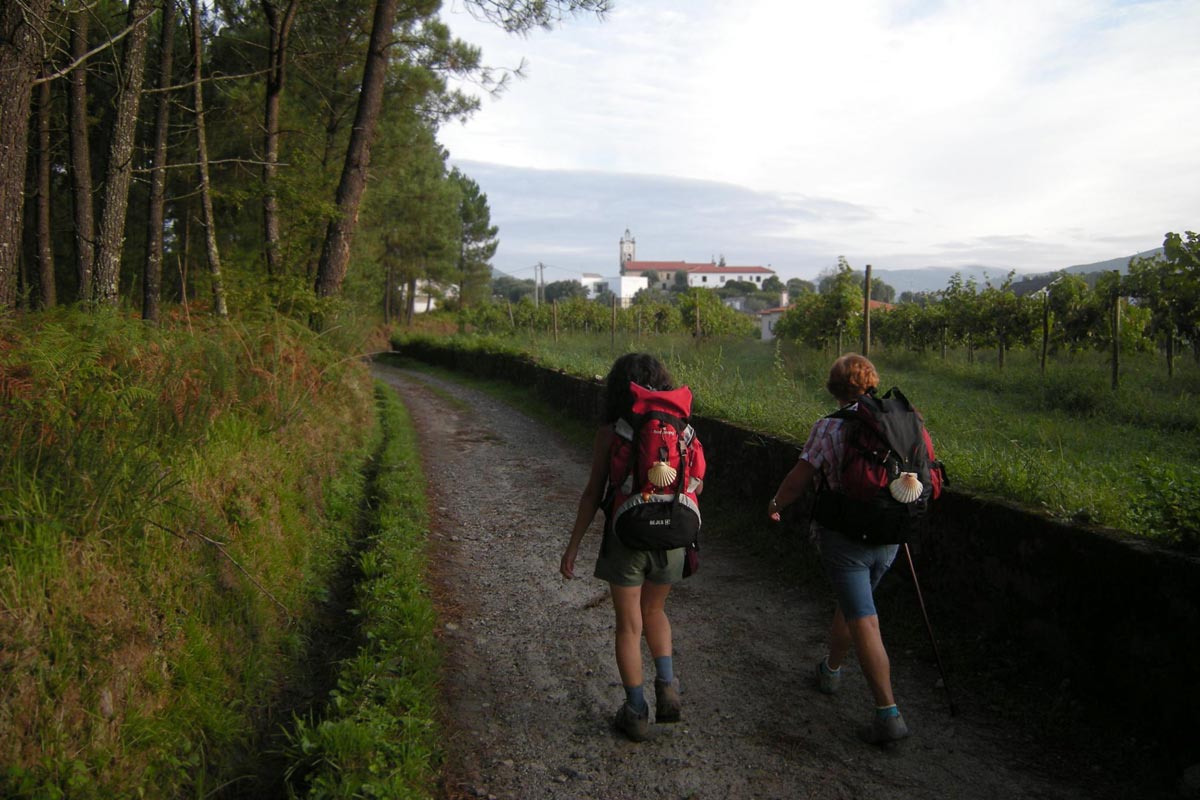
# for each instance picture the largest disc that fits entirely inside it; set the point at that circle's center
(932, 279)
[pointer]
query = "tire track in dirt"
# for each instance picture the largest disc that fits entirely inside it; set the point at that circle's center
(531, 685)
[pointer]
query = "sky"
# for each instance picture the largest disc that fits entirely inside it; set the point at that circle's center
(1011, 134)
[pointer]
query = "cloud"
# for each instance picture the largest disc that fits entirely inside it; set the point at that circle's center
(791, 131)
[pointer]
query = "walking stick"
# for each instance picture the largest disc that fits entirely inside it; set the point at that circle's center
(937, 656)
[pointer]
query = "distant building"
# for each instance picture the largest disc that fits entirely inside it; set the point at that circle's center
(625, 287)
(710, 275)
(767, 319)
(593, 282)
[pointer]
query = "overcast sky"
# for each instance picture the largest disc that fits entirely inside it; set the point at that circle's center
(900, 133)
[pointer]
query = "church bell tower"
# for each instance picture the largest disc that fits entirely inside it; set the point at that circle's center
(628, 249)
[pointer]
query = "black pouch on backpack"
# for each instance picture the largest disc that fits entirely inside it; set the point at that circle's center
(865, 522)
(657, 526)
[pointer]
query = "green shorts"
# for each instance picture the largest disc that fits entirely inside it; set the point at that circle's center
(622, 566)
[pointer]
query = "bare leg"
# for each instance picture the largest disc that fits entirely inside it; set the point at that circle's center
(873, 658)
(627, 602)
(839, 639)
(654, 618)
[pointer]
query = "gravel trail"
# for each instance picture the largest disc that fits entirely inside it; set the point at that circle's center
(531, 684)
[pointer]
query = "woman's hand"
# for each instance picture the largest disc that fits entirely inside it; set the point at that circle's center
(773, 510)
(567, 565)
(795, 484)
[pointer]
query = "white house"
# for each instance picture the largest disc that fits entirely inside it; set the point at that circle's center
(767, 319)
(624, 287)
(709, 275)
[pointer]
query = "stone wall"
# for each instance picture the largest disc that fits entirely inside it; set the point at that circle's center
(1117, 615)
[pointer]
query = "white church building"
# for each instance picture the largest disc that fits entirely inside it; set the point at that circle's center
(634, 275)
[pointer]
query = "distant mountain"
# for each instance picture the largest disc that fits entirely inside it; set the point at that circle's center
(934, 279)
(1121, 264)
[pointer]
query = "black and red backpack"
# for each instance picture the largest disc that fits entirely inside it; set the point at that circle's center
(889, 472)
(656, 468)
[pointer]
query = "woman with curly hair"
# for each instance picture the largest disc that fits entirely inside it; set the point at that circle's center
(639, 580)
(854, 567)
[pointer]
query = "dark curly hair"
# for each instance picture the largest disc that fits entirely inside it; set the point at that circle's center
(640, 368)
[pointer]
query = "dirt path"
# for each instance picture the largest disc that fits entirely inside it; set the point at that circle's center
(532, 686)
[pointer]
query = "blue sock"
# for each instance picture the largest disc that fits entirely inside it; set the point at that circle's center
(883, 712)
(635, 696)
(665, 667)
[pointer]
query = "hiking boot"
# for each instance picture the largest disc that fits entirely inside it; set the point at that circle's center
(634, 724)
(828, 681)
(667, 705)
(884, 730)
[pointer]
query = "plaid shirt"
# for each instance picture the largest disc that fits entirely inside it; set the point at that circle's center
(826, 442)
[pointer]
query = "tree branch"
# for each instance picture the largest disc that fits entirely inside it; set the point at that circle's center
(97, 49)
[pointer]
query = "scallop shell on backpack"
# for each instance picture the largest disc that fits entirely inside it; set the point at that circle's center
(906, 488)
(661, 474)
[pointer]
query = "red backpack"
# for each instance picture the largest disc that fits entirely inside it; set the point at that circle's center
(656, 467)
(889, 472)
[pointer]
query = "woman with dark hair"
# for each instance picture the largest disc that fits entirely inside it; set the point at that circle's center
(854, 568)
(639, 580)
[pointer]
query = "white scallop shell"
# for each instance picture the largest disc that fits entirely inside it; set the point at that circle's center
(906, 488)
(661, 474)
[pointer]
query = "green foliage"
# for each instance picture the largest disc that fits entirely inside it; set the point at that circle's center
(1169, 503)
(704, 313)
(164, 538)
(478, 241)
(378, 736)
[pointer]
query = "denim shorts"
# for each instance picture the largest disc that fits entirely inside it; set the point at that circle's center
(622, 566)
(854, 569)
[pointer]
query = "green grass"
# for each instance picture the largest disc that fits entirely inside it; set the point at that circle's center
(378, 735)
(1064, 443)
(172, 505)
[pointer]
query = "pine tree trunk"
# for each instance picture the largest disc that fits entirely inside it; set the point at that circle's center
(45, 247)
(278, 29)
(152, 280)
(81, 161)
(335, 254)
(21, 26)
(410, 302)
(119, 174)
(210, 226)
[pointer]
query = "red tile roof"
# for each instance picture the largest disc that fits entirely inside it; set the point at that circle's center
(685, 266)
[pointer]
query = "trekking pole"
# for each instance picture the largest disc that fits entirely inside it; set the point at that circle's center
(936, 655)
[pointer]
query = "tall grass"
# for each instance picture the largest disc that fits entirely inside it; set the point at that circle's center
(1064, 442)
(172, 503)
(378, 737)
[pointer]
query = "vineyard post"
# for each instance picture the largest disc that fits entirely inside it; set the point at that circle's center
(866, 340)
(511, 319)
(555, 309)
(697, 317)
(1045, 327)
(1116, 336)
(613, 332)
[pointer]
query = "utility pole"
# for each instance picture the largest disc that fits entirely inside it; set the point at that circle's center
(866, 334)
